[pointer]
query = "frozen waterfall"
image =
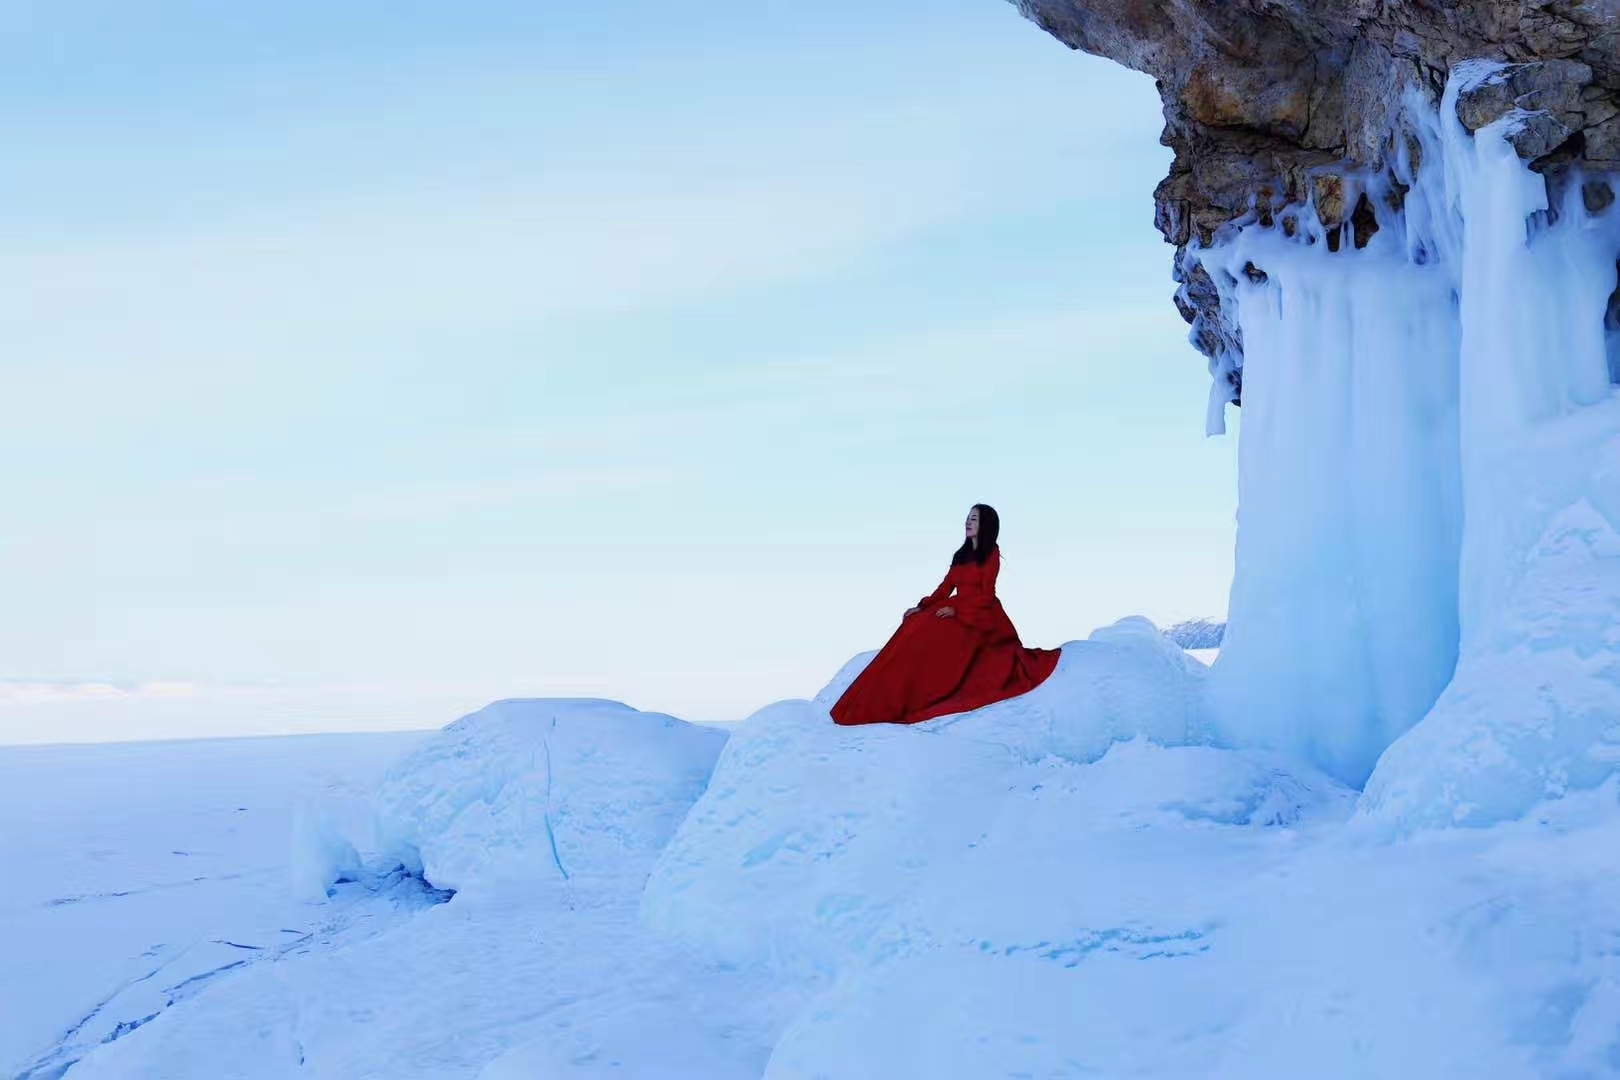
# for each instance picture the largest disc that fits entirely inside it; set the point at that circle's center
(1428, 563)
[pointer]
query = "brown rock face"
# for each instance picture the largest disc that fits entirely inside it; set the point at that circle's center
(1270, 102)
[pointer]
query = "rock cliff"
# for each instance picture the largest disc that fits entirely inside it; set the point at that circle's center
(1272, 103)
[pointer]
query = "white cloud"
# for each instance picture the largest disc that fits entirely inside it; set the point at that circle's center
(440, 259)
(699, 202)
(886, 381)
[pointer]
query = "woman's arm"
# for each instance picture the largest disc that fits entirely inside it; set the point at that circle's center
(939, 595)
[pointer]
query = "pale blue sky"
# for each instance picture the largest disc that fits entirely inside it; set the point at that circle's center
(363, 363)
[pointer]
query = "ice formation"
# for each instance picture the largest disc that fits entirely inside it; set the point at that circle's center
(1428, 495)
(466, 808)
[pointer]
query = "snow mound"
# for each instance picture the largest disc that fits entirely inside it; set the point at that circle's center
(811, 837)
(809, 833)
(543, 790)
(829, 695)
(1126, 681)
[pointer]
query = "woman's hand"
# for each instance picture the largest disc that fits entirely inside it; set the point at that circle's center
(945, 611)
(910, 611)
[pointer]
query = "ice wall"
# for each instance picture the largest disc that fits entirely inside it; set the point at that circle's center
(1425, 484)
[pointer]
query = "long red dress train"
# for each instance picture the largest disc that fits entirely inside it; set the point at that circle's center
(936, 665)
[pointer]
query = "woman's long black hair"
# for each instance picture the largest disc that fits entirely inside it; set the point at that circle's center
(989, 530)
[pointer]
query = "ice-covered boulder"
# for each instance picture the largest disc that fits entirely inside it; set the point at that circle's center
(532, 790)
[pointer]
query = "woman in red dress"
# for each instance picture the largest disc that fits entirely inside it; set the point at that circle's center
(952, 653)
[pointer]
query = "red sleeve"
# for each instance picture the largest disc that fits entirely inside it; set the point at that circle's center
(941, 594)
(973, 608)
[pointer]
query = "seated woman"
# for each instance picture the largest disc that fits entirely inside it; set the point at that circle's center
(952, 653)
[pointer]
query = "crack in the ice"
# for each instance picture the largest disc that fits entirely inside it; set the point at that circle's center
(551, 835)
(95, 1010)
(126, 1026)
(119, 894)
(63, 901)
(46, 1061)
(50, 1066)
(1119, 939)
(205, 976)
(399, 888)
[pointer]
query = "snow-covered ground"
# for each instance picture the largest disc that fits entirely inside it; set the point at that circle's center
(1078, 882)
(139, 874)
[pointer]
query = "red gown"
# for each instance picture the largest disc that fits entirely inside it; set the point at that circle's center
(935, 665)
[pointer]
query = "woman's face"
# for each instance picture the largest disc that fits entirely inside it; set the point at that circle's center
(973, 524)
